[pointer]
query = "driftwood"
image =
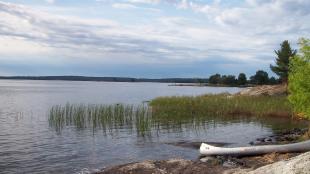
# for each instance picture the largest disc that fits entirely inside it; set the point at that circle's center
(209, 150)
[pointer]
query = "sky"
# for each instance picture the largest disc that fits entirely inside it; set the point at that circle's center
(147, 38)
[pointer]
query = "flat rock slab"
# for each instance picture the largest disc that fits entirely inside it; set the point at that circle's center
(299, 164)
(172, 166)
(210, 165)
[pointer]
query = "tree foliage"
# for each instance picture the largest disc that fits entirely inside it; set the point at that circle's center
(241, 79)
(273, 81)
(282, 61)
(299, 80)
(215, 79)
(222, 79)
(228, 80)
(260, 78)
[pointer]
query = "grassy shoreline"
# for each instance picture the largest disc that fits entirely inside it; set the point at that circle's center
(223, 104)
(168, 112)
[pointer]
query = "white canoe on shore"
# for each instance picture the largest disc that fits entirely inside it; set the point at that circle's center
(209, 150)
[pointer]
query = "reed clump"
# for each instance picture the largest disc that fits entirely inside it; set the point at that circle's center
(105, 117)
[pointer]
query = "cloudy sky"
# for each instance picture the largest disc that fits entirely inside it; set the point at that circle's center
(146, 38)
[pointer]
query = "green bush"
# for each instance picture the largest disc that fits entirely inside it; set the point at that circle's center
(299, 80)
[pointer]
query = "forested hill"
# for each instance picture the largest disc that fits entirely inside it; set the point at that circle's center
(107, 79)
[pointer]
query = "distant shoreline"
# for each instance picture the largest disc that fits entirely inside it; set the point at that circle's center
(196, 82)
(104, 79)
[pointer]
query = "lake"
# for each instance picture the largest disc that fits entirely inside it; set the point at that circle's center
(29, 144)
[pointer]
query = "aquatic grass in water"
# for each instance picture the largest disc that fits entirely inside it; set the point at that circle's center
(105, 117)
(168, 113)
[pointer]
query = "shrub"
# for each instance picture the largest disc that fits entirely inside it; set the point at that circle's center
(299, 80)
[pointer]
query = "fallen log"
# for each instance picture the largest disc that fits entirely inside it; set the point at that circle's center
(208, 150)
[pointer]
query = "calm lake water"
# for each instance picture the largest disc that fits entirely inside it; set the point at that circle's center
(28, 144)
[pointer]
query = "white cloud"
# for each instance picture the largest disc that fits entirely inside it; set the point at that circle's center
(123, 6)
(258, 13)
(144, 1)
(20, 47)
(183, 4)
(102, 39)
(50, 1)
(246, 33)
(128, 6)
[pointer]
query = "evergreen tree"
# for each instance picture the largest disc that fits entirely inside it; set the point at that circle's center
(242, 79)
(273, 81)
(282, 61)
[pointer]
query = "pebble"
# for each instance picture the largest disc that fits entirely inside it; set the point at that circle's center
(207, 159)
(229, 163)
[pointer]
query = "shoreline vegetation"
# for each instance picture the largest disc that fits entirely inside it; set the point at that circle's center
(171, 112)
(222, 104)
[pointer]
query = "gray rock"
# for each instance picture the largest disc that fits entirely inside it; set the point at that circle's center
(230, 164)
(207, 159)
(299, 164)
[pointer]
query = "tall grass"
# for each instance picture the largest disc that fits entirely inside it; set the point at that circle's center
(105, 117)
(169, 113)
(222, 104)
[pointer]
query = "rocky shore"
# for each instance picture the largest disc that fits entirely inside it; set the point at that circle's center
(216, 165)
(222, 164)
(297, 165)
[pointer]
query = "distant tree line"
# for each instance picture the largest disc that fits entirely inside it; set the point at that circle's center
(259, 78)
(108, 79)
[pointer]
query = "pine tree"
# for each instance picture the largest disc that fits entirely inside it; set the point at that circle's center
(282, 61)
